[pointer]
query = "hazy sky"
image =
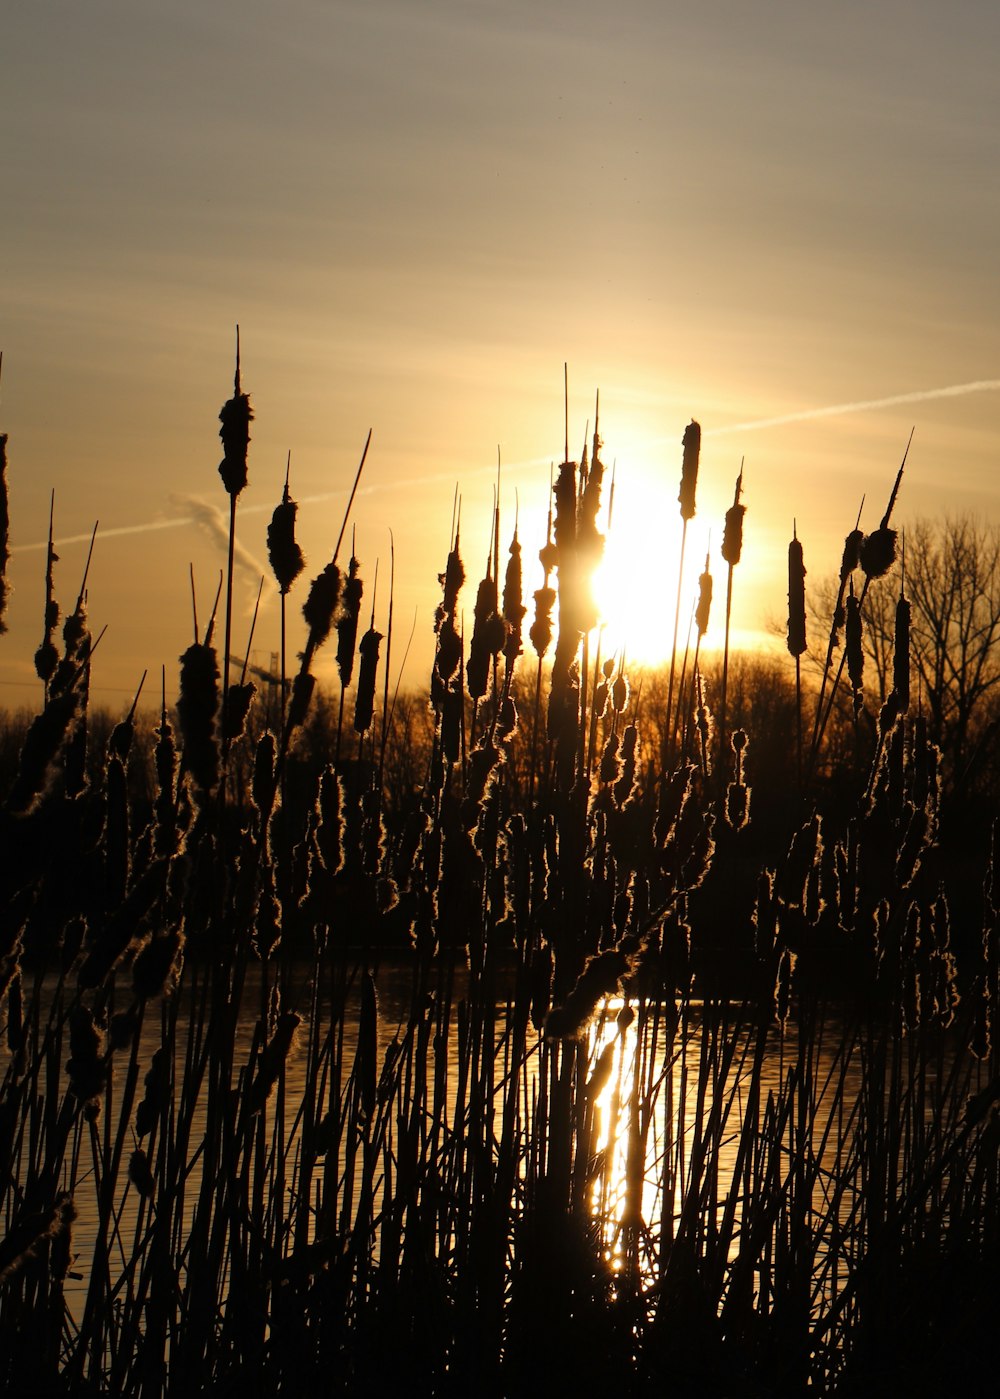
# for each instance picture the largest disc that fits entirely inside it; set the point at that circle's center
(417, 213)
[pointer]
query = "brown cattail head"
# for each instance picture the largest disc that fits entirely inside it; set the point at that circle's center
(451, 581)
(513, 605)
(347, 622)
(196, 708)
(236, 416)
(691, 442)
(540, 631)
(852, 554)
(285, 555)
(855, 650)
(701, 612)
(901, 654)
(878, 552)
(732, 535)
(796, 598)
(364, 704)
(321, 605)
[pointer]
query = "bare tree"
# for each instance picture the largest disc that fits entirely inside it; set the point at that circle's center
(950, 572)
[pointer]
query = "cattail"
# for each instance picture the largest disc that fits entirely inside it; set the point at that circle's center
(235, 417)
(851, 556)
(116, 832)
(513, 606)
(901, 655)
(364, 703)
(783, 986)
(796, 598)
(600, 977)
(878, 552)
(157, 966)
(196, 710)
(691, 442)
(237, 708)
(451, 581)
(164, 806)
(85, 1067)
(140, 1175)
(47, 657)
(272, 1060)
(320, 606)
(483, 635)
(156, 1097)
(347, 622)
(31, 1232)
(302, 693)
(627, 758)
(855, 651)
(701, 612)
(738, 793)
(283, 551)
(42, 744)
(540, 631)
(732, 535)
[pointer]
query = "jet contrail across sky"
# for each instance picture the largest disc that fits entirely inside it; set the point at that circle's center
(197, 507)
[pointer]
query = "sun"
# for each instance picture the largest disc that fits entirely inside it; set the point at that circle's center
(636, 584)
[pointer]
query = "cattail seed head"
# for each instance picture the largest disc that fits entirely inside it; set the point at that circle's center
(286, 557)
(235, 417)
(321, 605)
(513, 606)
(364, 704)
(347, 622)
(796, 599)
(732, 534)
(540, 632)
(852, 554)
(196, 709)
(878, 552)
(855, 650)
(901, 655)
(691, 442)
(704, 607)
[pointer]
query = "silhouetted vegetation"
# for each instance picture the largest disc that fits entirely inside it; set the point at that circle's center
(535, 1032)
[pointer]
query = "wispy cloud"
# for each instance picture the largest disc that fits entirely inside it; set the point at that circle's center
(213, 521)
(215, 525)
(864, 405)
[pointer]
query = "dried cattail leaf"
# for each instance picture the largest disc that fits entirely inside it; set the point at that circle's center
(691, 442)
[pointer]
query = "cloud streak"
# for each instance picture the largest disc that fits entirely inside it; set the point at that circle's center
(212, 520)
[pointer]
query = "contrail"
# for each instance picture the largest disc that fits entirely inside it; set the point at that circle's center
(865, 405)
(216, 526)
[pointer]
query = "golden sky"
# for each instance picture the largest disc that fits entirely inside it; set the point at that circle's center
(418, 213)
